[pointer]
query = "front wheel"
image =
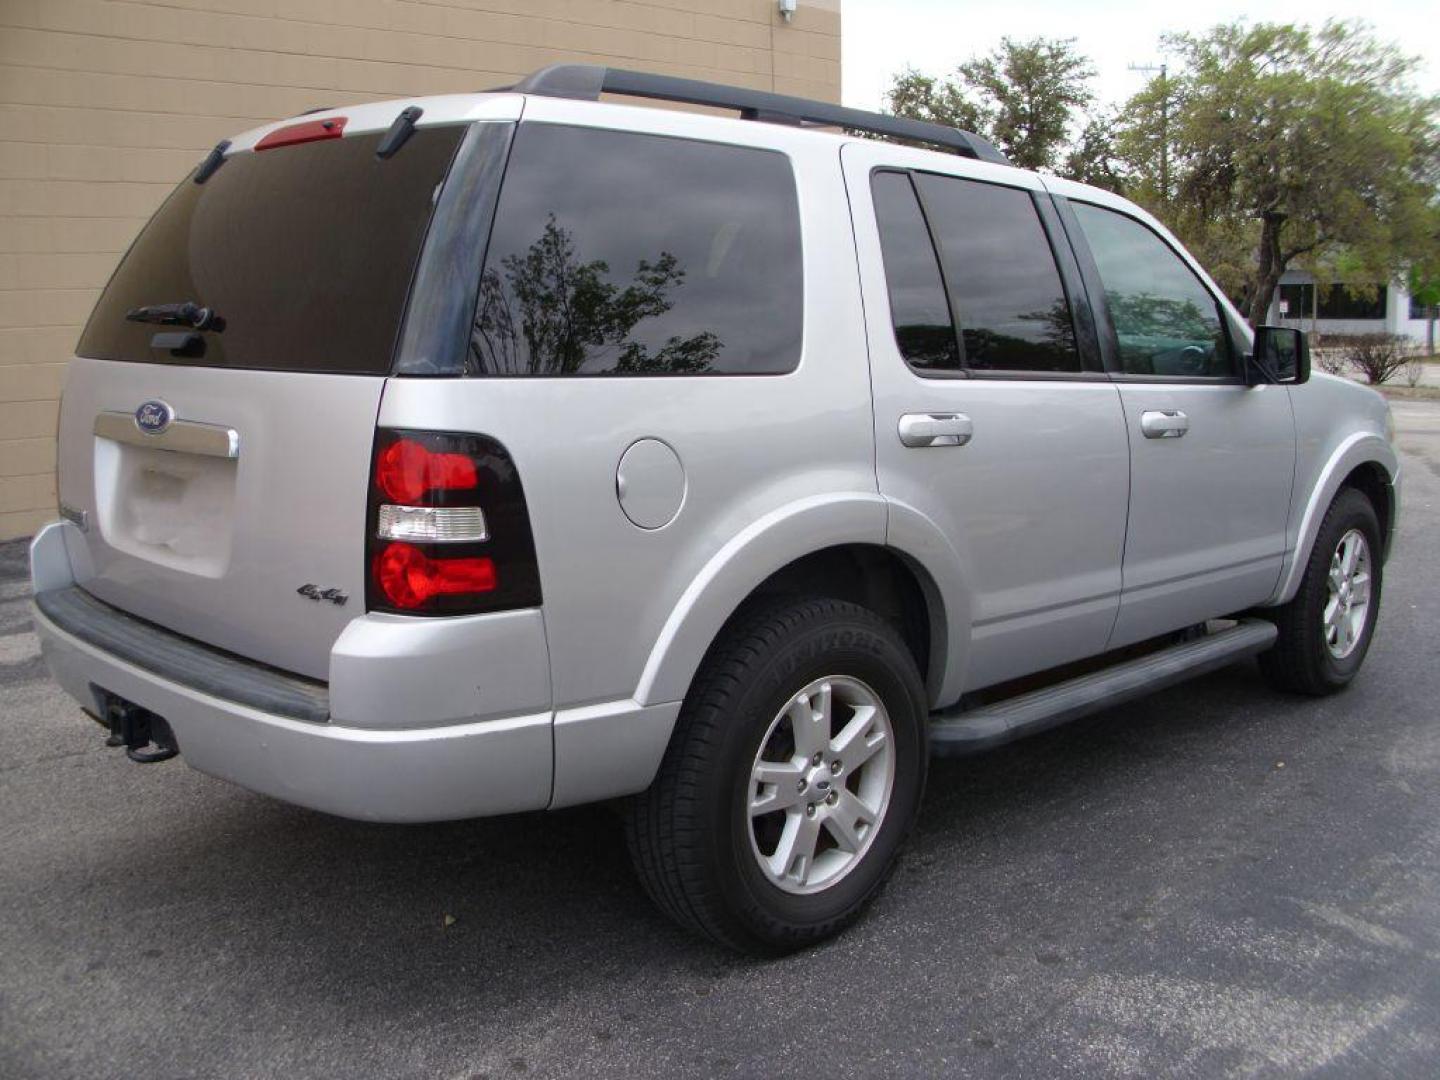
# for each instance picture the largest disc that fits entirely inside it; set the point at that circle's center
(794, 774)
(1325, 631)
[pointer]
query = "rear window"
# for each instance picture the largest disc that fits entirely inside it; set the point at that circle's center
(616, 253)
(305, 252)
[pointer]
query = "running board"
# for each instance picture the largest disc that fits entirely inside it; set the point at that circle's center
(957, 733)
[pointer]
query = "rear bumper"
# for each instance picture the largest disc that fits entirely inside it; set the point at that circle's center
(420, 766)
(430, 774)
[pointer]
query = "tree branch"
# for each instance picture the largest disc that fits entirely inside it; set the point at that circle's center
(1286, 256)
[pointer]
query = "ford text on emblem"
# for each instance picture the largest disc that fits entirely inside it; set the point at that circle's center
(153, 417)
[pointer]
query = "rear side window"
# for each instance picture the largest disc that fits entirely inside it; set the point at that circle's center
(918, 307)
(305, 252)
(1165, 319)
(616, 253)
(1004, 284)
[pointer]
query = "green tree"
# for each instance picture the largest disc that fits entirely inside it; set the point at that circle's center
(1289, 145)
(1023, 96)
(1030, 92)
(1425, 291)
(1096, 158)
(1423, 279)
(924, 97)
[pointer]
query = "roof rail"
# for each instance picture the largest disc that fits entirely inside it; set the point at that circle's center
(586, 82)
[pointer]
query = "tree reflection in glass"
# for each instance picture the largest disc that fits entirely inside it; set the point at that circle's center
(543, 312)
(1029, 340)
(1161, 335)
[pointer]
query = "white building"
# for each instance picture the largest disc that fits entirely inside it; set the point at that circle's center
(1390, 310)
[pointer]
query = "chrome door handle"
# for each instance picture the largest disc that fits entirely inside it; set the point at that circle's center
(1164, 424)
(935, 429)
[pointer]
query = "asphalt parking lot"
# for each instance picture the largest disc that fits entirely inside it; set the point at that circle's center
(1214, 881)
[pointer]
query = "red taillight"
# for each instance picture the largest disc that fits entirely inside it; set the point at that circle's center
(405, 471)
(448, 531)
(409, 577)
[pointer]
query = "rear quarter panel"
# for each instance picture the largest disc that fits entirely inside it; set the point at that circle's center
(773, 464)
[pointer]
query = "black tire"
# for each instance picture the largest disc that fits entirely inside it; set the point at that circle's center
(689, 833)
(1300, 662)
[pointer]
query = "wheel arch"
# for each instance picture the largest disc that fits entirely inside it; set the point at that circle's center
(1364, 461)
(1371, 480)
(876, 577)
(825, 546)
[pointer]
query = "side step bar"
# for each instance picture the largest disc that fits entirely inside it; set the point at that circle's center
(958, 733)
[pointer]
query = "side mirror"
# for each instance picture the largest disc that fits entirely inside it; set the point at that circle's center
(1281, 355)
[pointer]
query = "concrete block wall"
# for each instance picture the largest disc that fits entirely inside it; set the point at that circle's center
(106, 104)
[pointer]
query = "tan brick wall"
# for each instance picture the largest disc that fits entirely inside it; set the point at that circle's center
(106, 104)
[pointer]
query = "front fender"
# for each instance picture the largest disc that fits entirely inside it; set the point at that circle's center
(1359, 448)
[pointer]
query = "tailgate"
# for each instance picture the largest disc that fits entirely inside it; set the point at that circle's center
(212, 546)
(218, 422)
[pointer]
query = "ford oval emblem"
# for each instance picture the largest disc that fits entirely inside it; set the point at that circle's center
(153, 417)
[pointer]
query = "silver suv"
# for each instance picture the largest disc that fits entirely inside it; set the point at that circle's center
(496, 452)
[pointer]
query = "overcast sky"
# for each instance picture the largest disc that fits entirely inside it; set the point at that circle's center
(881, 37)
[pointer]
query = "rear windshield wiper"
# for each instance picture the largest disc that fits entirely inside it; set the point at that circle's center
(188, 313)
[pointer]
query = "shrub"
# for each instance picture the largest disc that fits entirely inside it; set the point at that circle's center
(1379, 357)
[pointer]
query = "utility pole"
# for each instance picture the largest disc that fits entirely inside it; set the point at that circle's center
(1164, 70)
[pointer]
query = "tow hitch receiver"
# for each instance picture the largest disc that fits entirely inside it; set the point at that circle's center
(135, 729)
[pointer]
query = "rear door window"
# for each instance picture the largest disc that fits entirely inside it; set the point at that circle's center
(616, 253)
(1004, 284)
(305, 252)
(919, 309)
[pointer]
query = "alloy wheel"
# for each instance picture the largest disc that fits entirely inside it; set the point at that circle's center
(820, 784)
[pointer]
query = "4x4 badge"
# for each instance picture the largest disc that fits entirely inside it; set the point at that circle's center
(314, 592)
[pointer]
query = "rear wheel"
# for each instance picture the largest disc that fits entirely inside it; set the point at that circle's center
(794, 774)
(1325, 631)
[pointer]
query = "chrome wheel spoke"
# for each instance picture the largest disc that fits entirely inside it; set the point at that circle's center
(849, 822)
(1347, 602)
(794, 856)
(1337, 574)
(1347, 555)
(1332, 612)
(810, 719)
(859, 740)
(781, 787)
(1360, 589)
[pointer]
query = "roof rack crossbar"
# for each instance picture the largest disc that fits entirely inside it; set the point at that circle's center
(586, 82)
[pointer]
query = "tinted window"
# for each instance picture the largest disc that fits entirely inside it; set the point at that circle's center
(1166, 320)
(1336, 302)
(1295, 300)
(918, 308)
(625, 254)
(1002, 276)
(304, 251)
